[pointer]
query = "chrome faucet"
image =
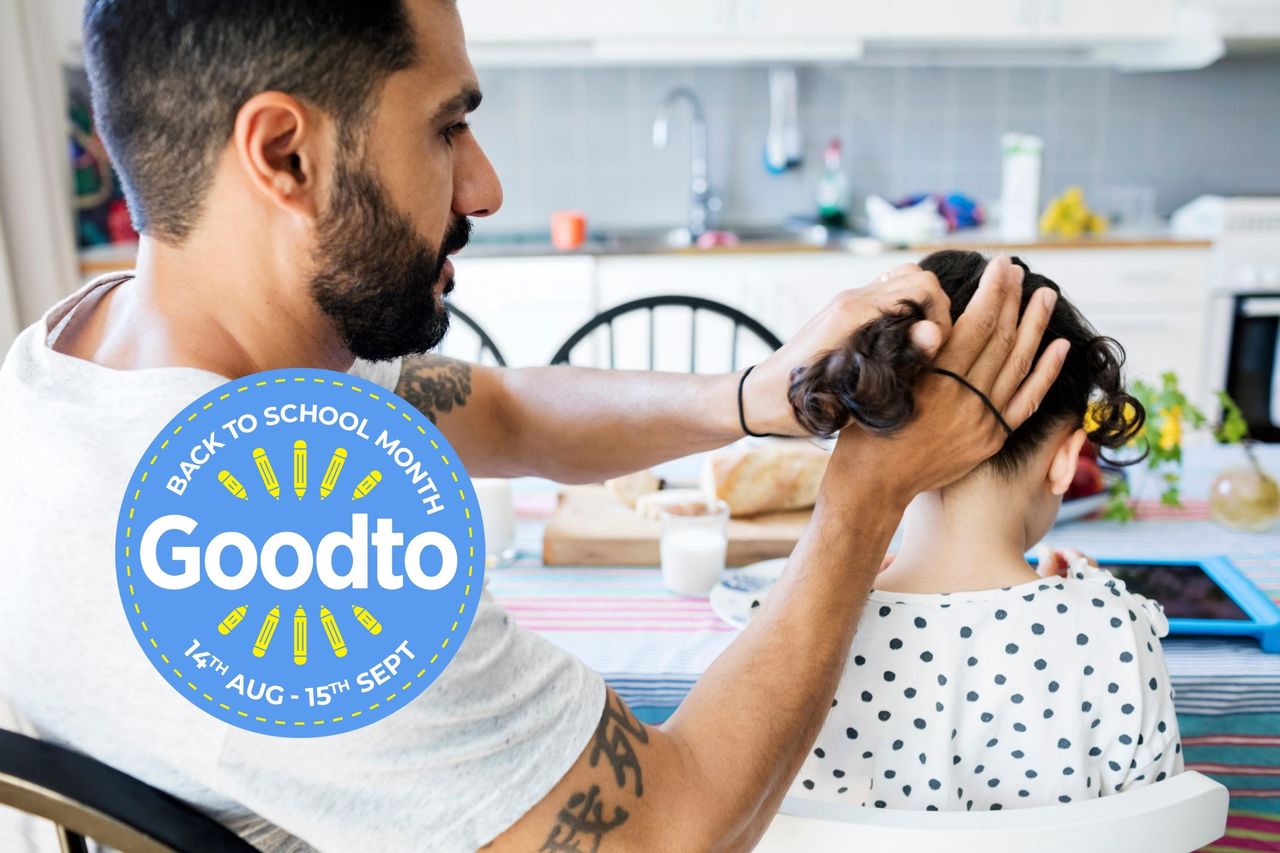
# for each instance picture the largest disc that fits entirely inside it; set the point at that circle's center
(703, 204)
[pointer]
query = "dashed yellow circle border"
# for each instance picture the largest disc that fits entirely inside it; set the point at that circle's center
(135, 612)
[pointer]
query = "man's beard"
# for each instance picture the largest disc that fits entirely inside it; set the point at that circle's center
(375, 277)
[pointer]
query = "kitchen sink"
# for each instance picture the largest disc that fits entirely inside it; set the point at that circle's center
(640, 240)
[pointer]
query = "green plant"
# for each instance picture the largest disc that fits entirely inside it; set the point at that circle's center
(1168, 413)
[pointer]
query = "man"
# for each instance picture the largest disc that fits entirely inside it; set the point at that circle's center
(301, 171)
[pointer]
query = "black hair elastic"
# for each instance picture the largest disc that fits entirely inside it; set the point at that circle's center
(742, 418)
(983, 397)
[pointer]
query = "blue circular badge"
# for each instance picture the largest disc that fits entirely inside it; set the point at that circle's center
(300, 553)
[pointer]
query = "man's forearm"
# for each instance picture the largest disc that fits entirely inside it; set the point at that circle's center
(749, 721)
(583, 425)
(568, 423)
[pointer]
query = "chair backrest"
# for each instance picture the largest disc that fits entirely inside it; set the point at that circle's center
(737, 321)
(1181, 814)
(483, 345)
(85, 798)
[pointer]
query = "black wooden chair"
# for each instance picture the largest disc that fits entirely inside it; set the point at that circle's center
(85, 798)
(605, 320)
(486, 344)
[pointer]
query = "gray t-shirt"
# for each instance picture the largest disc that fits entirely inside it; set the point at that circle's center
(450, 771)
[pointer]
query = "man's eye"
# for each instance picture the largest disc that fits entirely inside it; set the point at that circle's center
(453, 130)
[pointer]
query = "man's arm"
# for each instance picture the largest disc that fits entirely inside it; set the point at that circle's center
(571, 424)
(581, 425)
(713, 776)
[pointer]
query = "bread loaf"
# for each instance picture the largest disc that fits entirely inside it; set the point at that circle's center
(769, 475)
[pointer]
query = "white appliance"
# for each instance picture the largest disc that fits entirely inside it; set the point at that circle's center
(1245, 332)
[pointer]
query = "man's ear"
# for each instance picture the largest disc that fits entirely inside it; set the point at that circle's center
(278, 145)
(1063, 467)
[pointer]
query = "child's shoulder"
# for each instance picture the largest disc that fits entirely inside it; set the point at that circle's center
(1102, 591)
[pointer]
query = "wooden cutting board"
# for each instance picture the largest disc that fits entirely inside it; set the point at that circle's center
(592, 528)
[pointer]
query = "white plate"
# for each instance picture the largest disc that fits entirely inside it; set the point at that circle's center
(741, 590)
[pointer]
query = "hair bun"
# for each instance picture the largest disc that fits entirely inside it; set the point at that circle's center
(869, 380)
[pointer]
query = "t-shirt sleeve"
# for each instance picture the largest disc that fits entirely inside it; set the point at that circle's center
(385, 373)
(450, 771)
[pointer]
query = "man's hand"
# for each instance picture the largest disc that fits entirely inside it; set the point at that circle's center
(765, 403)
(953, 431)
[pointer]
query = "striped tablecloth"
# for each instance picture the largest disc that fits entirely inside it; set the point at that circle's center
(651, 645)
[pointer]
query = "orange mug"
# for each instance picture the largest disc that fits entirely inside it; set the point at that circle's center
(568, 229)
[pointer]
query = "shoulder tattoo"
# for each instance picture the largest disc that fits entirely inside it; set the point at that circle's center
(435, 385)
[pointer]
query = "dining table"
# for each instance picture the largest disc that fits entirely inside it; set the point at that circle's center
(651, 645)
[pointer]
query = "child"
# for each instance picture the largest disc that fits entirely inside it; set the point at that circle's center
(974, 683)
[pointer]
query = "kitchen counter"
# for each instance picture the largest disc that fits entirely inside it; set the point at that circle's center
(104, 259)
(653, 243)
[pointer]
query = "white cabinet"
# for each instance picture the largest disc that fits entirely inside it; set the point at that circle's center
(488, 21)
(527, 305)
(820, 19)
(946, 21)
(1102, 20)
(1154, 301)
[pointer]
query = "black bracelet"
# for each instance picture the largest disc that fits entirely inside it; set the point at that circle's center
(742, 418)
(983, 397)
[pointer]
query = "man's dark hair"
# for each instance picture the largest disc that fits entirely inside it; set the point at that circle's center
(168, 77)
(870, 379)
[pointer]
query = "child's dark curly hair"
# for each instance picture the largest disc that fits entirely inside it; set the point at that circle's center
(871, 379)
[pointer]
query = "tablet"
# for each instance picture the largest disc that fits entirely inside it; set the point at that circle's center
(1205, 596)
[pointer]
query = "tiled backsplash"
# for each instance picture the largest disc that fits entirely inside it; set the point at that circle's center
(582, 138)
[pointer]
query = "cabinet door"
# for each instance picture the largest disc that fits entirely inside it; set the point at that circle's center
(666, 19)
(819, 19)
(1156, 342)
(946, 20)
(513, 21)
(1155, 278)
(527, 305)
(1107, 20)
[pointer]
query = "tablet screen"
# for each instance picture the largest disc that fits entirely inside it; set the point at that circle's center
(1185, 590)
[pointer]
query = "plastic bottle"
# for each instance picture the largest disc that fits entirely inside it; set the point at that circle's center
(833, 188)
(1020, 191)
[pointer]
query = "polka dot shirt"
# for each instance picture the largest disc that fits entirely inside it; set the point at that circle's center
(1042, 693)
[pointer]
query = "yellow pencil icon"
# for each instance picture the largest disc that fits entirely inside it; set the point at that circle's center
(228, 479)
(227, 625)
(267, 473)
(366, 485)
(268, 630)
(331, 473)
(300, 636)
(332, 633)
(365, 618)
(300, 467)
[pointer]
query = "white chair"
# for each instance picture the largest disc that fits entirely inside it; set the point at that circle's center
(1178, 815)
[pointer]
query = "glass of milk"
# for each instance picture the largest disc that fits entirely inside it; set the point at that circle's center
(498, 512)
(692, 546)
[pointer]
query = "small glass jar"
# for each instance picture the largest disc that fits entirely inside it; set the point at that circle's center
(497, 511)
(693, 545)
(1245, 499)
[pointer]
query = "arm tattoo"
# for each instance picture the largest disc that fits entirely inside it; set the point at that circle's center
(435, 385)
(612, 741)
(581, 824)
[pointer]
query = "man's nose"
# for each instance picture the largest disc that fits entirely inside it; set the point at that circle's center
(476, 188)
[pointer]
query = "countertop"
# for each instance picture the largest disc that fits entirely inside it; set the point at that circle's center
(102, 259)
